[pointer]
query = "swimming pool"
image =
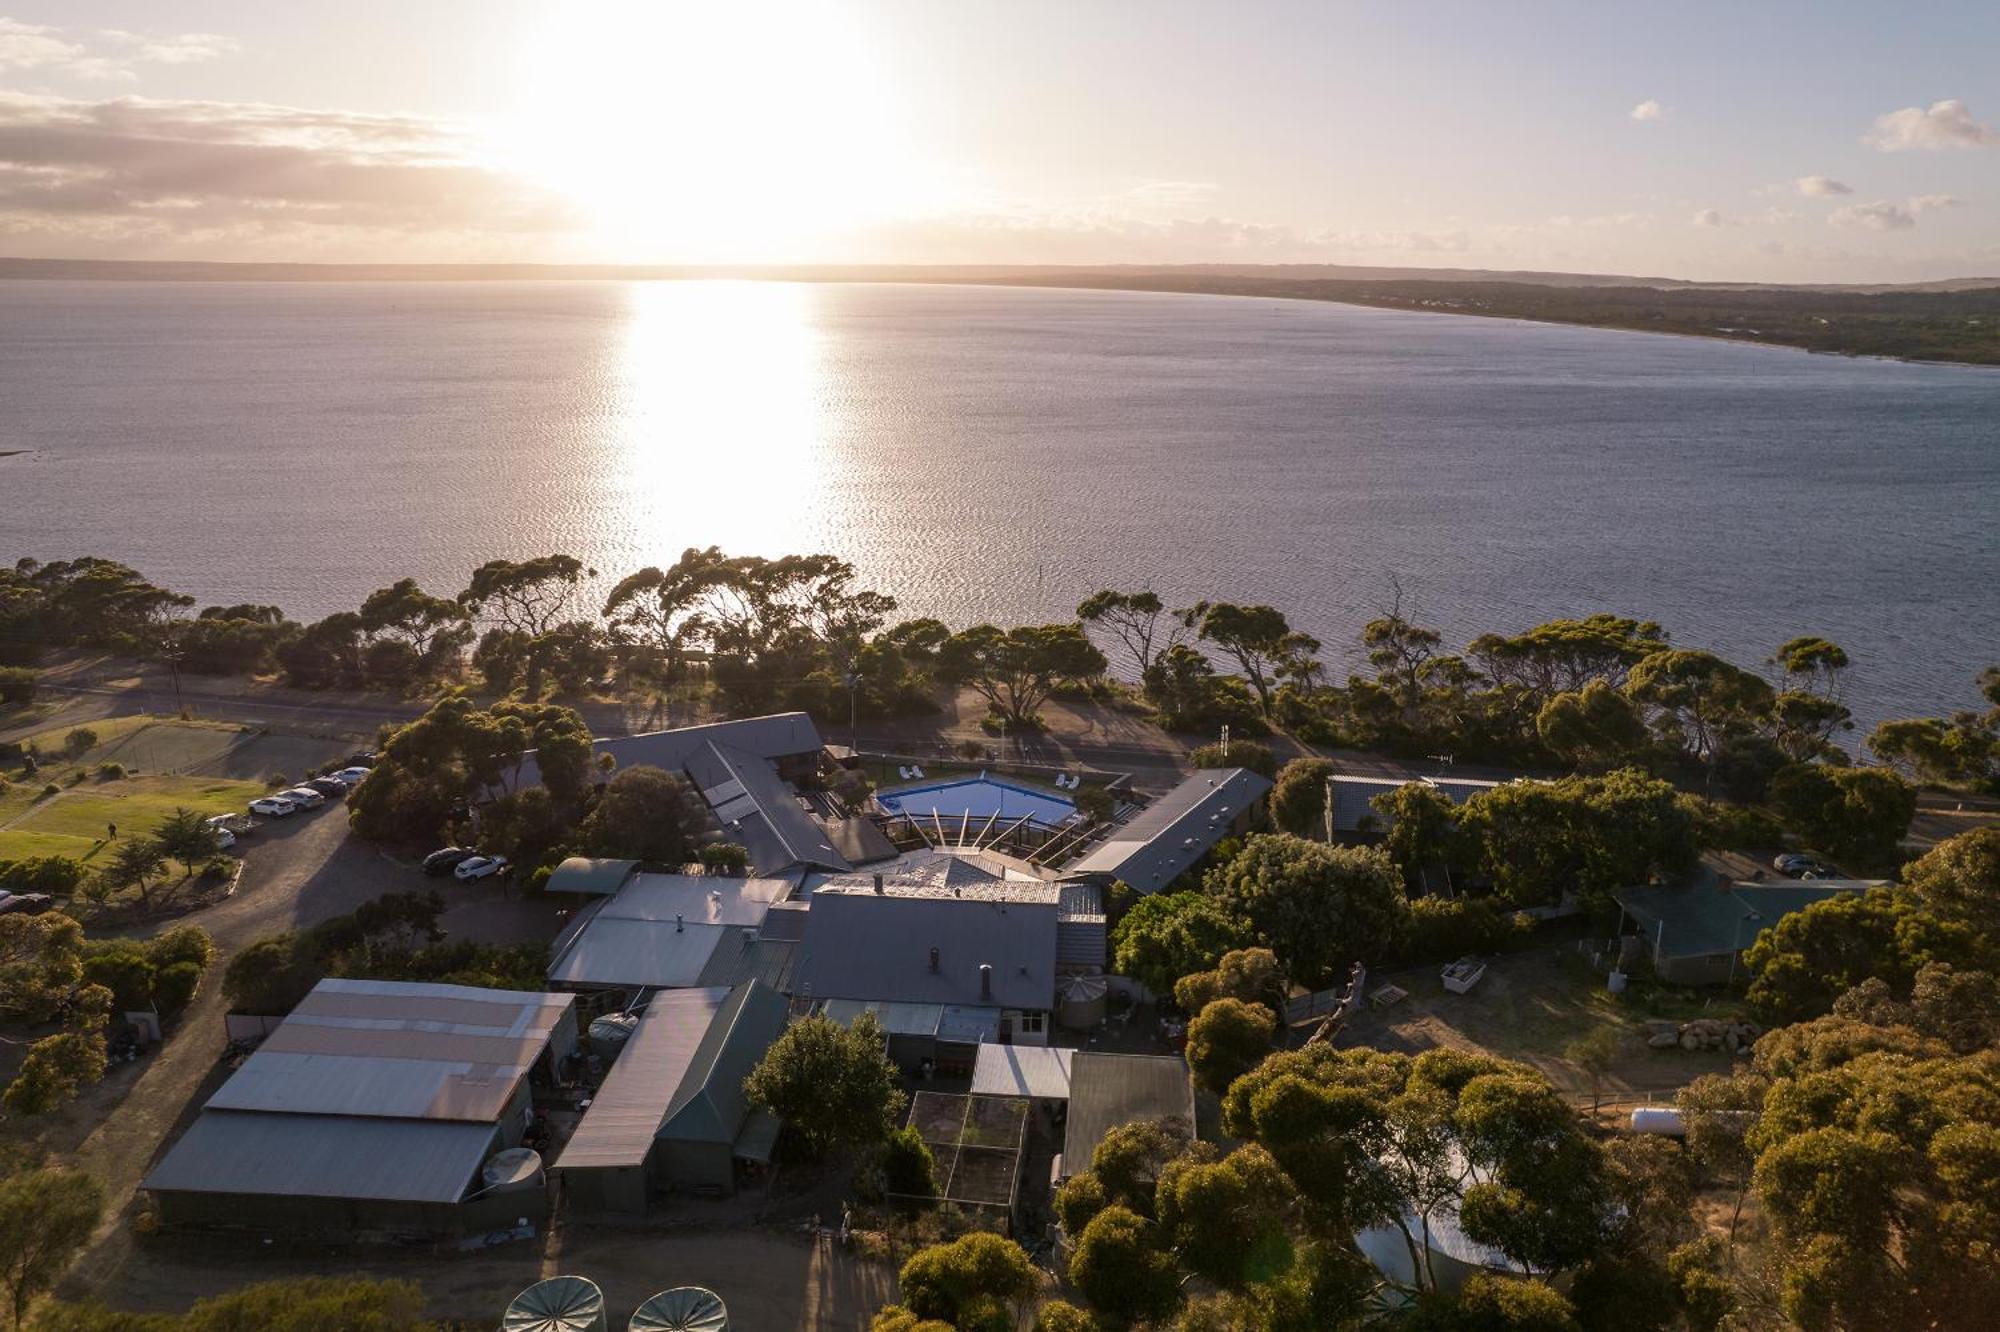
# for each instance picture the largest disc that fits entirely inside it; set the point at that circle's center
(979, 797)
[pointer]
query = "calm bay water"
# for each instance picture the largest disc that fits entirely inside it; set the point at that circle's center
(990, 453)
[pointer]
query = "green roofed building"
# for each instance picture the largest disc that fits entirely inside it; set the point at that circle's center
(1696, 936)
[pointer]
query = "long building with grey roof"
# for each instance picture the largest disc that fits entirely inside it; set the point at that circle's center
(372, 1107)
(1170, 835)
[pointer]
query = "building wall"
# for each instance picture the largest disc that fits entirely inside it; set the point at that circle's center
(603, 1190)
(1707, 969)
(694, 1166)
(344, 1218)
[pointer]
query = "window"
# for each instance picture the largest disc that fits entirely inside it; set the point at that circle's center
(1031, 1024)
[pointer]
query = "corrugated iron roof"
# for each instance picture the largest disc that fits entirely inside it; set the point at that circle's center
(1174, 831)
(867, 945)
(635, 953)
(581, 874)
(1038, 1071)
(1107, 1090)
(397, 1050)
(324, 1156)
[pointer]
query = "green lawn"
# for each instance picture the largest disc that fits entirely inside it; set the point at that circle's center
(74, 823)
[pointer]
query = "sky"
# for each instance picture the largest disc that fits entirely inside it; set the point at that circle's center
(1835, 141)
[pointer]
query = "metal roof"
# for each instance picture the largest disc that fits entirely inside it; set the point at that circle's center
(896, 1019)
(657, 954)
(867, 945)
(1352, 794)
(680, 1076)
(709, 899)
(581, 874)
(780, 735)
(757, 809)
(1107, 1090)
(398, 1050)
(1174, 831)
(1038, 1071)
(324, 1156)
(1704, 922)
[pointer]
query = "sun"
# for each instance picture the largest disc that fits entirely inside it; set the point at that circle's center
(712, 132)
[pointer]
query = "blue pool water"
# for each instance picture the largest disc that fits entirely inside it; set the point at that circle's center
(981, 797)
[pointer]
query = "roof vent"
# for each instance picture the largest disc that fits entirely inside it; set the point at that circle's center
(677, 923)
(878, 883)
(934, 961)
(985, 980)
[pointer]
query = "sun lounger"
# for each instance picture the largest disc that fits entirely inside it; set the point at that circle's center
(916, 773)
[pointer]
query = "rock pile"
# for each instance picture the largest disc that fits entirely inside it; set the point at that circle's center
(1703, 1034)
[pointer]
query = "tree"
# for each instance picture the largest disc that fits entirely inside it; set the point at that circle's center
(527, 597)
(1587, 835)
(46, 1216)
(1594, 727)
(457, 752)
(973, 1283)
(189, 838)
(1236, 754)
(1594, 1053)
(1423, 833)
(1250, 974)
(1228, 1221)
(1133, 618)
(17, 685)
(434, 629)
(1317, 907)
(1499, 1304)
(1854, 814)
(1959, 880)
(1120, 1268)
(1015, 670)
(1227, 1039)
(1256, 638)
(1170, 935)
(832, 1085)
(645, 813)
(1300, 800)
(907, 1166)
(1700, 702)
(1799, 966)
(1719, 1111)
(136, 864)
(77, 742)
(56, 1068)
(325, 654)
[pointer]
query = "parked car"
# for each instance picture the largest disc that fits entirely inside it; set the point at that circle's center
(1799, 865)
(363, 758)
(352, 776)
(273, 806)
(304, 797)
(237, 824)
(480, 867)
(446, 859)
(224, 839)
(27, 904)
(328, 786)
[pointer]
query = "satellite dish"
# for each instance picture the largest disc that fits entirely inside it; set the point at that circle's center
(682, 1309)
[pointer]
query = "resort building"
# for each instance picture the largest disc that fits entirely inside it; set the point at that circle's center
(1107, 1090)
(372, 1108)
(1170, 835)
(944, 966)
(669, 931)
(1355, 816)
(1696, 935)
(672, 1114)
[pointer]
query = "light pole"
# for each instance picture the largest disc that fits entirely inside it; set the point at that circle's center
(853, 733)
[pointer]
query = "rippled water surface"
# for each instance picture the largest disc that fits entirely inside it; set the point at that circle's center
(996, 453)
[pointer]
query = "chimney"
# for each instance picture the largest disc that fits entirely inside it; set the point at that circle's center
(677, 922)
(985, 980)
(878, 883)
(934, 961)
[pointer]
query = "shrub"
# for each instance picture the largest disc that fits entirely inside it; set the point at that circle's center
(110, 772)
(1237, 754)
(1443, 929)
(907, 1166)
(724, 858)
(51, 790)
(17, 684)
(79, 741)
(58, 876)
(175, 987)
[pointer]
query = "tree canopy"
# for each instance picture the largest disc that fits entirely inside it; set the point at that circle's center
(832, 1085)
(1318, 907)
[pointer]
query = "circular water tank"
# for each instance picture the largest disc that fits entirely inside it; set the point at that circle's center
(682, 1309)
(1080, 1001)
(512, 1171)
(560, 1304)
(1661, 1119)
(609, 1033)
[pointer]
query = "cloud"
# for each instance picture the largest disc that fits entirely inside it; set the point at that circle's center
(1820, 187)
(1649, 110)
(1887, 215)
(1172, 193)
(150, 173)
(41, 49)
(1708, 217)
(1925, 203)
(1881, 215)
(1947, 124)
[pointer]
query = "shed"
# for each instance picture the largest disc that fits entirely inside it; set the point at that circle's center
(672, 1111)
(1697, 935)
(1108, 1090)
(1039, 1072)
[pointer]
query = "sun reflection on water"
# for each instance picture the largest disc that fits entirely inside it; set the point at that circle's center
(720, 421)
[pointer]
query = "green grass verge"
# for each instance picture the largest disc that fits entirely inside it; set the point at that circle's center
(75, 822)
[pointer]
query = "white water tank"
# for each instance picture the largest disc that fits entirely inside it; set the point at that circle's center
(512, 1171)
(1080, 1001)
(609, 1033)
(1664, 1120)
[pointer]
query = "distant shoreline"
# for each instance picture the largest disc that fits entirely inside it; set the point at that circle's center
(1955, 322)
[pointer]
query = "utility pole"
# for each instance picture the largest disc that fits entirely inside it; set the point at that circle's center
(1329, 811)
(853, 742)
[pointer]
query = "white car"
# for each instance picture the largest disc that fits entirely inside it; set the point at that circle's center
(304, 797)
(224, 839)
(352, 776)
(274, 807)
(480, 867)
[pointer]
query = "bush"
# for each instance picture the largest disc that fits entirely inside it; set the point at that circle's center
(1442, 930)
(907, 1166)
(724, 858)
(17, 684)
(79, 741)
(58, 876)
(110, 772)
(51, 790)
(1237, 754)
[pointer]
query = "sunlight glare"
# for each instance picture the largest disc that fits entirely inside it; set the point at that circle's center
(712, 132)
(720, 422)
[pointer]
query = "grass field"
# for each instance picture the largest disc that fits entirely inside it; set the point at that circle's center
(75, 821)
